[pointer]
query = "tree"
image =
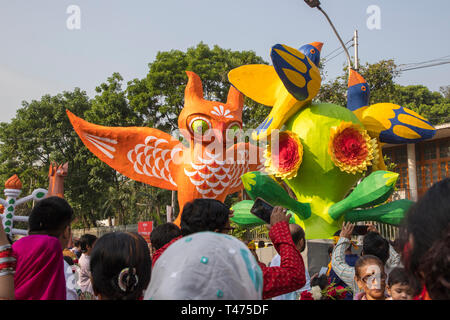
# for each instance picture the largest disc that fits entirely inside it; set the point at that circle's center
(159, 97)
(381, 77)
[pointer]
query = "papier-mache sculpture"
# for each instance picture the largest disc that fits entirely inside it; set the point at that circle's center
(324, 149)
(209, 167)
(13, 189)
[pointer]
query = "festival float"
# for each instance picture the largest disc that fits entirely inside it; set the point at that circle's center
(330, 156)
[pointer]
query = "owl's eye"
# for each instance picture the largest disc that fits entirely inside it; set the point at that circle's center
(363, 88)
(233, 130)
(199, 126)
(312, 51)
(234, 127)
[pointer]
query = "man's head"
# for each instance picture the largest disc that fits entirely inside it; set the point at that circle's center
(163, 234)
(205, 215)
(375, 244)
(298, 236)
(52, 216)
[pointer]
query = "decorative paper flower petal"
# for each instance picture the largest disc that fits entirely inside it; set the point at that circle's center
(351, 148)
(284, 162)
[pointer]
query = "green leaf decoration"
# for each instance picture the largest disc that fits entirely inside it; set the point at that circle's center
(373, 190)
(243, 216)
(390, 213)
(8, 223)
(258, 184)
(10, 208)
(11, 201)
(7, 230)
(9, 216)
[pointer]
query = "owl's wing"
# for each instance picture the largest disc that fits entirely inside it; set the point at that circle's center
(143, 154)
(248, 157)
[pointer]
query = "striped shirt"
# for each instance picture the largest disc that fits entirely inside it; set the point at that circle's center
(347, 273)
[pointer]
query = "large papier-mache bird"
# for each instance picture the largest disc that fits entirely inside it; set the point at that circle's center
(206, 168)
(388, 122)
(324, 149)
(287, 86)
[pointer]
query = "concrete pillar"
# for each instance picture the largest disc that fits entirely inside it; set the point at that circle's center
(412, 175)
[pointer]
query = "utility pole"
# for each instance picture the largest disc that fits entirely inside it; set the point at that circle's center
(316, 4)
(355, 44)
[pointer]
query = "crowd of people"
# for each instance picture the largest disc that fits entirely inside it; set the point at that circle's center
(201, 260)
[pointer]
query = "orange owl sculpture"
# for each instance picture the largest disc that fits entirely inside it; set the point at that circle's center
(210, 167)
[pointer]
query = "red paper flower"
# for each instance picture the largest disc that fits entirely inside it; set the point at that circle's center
(284, 159)
(306, 295)
(351, 148)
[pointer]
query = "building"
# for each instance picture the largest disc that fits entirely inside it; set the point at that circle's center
(422, 164)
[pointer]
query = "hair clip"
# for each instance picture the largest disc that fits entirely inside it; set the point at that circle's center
(125, 277)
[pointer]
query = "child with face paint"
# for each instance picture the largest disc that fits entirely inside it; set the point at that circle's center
(370, 278)
(400, 285)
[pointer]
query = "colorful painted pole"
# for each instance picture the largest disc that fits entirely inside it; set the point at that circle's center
(13, 188)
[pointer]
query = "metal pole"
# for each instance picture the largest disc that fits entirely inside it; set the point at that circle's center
(349, 61)
(355, 42)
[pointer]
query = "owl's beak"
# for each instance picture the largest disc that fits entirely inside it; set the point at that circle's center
(219, 132)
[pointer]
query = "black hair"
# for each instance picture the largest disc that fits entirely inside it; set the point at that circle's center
(374, 244)
(76, 243)
(321, 281)
(398, 276)
(365, 259)
(69, 260)
(87, 240)
(120, 266)
(163, 234)
(204, 215)
(298, 235)
(436, 266)
(330, 250)
(50, 216)
(428, 223)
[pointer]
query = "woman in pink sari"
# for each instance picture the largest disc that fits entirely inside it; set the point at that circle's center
(39, 271)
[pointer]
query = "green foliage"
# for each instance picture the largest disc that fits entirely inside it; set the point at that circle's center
(435, 106)
(41, 133)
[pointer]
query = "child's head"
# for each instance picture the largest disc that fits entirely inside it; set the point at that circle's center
(120, 266)
(87, 242)
(400, 285)
(370, 277)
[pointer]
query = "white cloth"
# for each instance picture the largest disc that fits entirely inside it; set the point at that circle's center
(71, 293)
(85, 274)
(276, 261)
(206, 266)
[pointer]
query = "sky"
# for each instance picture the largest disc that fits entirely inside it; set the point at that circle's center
(41, 55)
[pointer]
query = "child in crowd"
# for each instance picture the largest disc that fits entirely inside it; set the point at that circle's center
(120, 266)
(400, 285)
(370, 278)
(86, 243)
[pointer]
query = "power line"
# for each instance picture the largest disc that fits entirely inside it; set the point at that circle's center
(426, 66)
(406, 65)
(341, 52)
(330, 53)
